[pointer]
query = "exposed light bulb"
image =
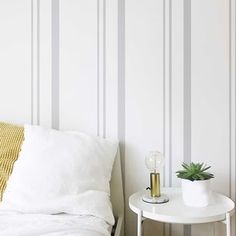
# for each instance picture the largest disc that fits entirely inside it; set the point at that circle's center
(154, 161)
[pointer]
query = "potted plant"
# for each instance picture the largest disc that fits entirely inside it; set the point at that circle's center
(196, 189)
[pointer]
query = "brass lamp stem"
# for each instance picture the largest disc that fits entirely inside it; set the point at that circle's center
(155, 184)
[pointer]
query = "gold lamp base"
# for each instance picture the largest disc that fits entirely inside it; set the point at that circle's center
(155, 184)
(155, 195)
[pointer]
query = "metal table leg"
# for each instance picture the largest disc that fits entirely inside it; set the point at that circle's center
(139, 224)
(228, 228)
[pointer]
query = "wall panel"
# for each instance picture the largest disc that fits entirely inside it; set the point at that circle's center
(198, 92)
(78, 65)
(112, 69)
(15, 61)
(144, 97)
(210, 92)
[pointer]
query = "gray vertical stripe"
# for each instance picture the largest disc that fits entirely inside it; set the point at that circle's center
(121, 82)
(98, 67)
(38, 62)
(234, 100)
(55, 64)
(32, 62)
(230, 97)
(35, 79)
(104, 68)
(170, 91)
(164, 83)
(121, 89)
(187, 80)
(187, 89)
(170, 99)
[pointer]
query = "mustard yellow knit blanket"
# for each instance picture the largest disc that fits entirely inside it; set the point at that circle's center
(11, 138)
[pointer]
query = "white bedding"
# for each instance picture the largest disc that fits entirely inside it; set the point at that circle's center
(52, 225)
(59, 186)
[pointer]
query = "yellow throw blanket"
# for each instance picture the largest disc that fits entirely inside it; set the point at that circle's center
(11, 138)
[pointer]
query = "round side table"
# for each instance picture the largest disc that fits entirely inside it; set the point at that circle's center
(174, 211)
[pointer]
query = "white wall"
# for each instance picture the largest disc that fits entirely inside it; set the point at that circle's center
(180, 94)
(155, 74)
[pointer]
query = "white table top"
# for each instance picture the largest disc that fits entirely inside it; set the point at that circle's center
(175, 211)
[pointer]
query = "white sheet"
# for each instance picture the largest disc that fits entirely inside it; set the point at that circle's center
(52, 225)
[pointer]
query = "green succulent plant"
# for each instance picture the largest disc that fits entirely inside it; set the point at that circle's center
(194, 171)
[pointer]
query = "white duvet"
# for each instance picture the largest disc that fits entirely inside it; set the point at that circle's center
(52, 225)
(59, 172)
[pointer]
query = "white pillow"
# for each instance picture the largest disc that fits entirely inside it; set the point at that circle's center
(61, 172)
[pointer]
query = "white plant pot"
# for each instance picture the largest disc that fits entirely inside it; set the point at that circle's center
(196, 193)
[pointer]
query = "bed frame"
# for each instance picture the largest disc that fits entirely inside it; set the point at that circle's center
(117, 197)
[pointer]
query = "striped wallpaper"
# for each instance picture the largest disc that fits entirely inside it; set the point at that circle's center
(154, 74)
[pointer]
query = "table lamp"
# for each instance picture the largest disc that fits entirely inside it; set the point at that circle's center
(154, 162)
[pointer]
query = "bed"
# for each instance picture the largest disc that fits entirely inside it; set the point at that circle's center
(36, 223)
